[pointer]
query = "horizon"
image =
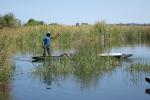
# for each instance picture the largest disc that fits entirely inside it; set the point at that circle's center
(70, 12)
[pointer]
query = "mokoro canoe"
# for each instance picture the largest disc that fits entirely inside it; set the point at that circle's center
(147, 79)
(116, 55)
(40, 58)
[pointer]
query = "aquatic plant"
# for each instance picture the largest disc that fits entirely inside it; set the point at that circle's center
(87, 40)
(5, 66)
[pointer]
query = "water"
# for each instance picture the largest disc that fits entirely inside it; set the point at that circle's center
(119, 84)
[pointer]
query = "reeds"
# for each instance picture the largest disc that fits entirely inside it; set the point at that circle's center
(87, 40)
(5, 67)
(99, 35)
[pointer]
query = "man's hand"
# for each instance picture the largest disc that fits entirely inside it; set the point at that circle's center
(58, 34)
(43, 46)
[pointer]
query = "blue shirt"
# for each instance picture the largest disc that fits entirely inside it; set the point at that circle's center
(47, 41)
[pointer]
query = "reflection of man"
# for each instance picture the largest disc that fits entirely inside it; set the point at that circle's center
(48, 75)
(48, 78)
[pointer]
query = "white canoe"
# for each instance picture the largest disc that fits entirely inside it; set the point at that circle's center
(117, 55)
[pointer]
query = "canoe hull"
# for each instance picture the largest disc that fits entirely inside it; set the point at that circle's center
(41, 58)
(116, 55)
(124, 56)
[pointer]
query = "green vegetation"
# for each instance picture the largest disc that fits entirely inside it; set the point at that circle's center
(5, 66)
(32, 22)
(9, 20)
(87, 40)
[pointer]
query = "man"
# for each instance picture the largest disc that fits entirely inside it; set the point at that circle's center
(47, 43)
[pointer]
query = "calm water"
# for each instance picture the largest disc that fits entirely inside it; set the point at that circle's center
(120, 84)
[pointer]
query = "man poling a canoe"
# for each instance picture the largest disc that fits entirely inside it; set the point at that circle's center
(47, 43)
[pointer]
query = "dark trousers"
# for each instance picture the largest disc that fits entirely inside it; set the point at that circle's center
(46, 50)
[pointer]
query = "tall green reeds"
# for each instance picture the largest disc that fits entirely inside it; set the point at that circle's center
(87, 40)
(99, 35)
(5, 67)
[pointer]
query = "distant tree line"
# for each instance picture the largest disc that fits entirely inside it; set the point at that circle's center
(9, 20)
(32, 22)
(132, 24)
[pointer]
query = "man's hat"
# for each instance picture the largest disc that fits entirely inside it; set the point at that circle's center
(48, 33)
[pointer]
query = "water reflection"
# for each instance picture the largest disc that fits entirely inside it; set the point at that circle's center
(70, 76)
(135, 70)
(137, 67)
(4, 91)
(48, 76)
(86, 76)
(89, 76)
(46, 72)
(147, 91)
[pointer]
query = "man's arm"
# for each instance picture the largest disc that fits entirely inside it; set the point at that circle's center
(55, 36)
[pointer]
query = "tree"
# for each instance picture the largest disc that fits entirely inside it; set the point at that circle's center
(32, 22)
(9, 20)
(84, 24)
(1, 21)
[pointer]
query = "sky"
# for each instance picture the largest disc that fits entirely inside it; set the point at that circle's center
(73, 11)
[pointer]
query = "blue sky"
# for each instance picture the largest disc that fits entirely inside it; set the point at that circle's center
(72, 11)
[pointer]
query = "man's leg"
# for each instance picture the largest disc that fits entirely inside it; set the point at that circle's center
(48, 51)
(44, 52)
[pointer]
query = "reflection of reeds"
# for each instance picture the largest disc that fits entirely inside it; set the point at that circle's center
(4, 91)
(86, 70)
(138, 71)
(140, 68)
